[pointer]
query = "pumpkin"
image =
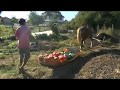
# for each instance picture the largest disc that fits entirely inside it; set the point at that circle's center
(56, 54)
(50, 56)
(62, 58)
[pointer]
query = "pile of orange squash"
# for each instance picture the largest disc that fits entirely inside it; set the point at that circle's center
(57, 58)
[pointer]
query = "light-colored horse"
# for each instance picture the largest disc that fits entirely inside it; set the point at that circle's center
(83, 33)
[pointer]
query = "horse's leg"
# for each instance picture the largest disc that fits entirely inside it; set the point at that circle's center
(91, 41)
(83, 42)
(81, 45)
(100, 41)
(104, 38)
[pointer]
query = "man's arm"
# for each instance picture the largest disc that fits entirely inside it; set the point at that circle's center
(17, 33)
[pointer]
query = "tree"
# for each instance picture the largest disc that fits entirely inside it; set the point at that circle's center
(54, 27)
(94, 18)
(65, 25)
(14, 19)
(35, 19)
(6, 21)
(28, 22)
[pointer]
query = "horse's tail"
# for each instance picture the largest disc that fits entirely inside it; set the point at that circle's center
(79, 35)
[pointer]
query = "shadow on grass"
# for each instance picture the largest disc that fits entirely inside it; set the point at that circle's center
(26, 75)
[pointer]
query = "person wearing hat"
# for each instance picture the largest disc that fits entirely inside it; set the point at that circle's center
(22, 34)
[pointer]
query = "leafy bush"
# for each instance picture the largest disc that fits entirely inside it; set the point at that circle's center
(94, 18)
(63, 37)
(43, 37)
(54, 37)
(2, 56)
(5, 31)
(12, 45)
(54, 27)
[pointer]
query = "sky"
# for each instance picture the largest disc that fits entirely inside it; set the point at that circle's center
(24, 14)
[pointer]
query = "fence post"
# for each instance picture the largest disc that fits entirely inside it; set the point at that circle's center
(112, 27)
(98, 28)
(104, 26)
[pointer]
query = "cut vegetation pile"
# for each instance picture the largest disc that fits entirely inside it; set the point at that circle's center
(105, 66)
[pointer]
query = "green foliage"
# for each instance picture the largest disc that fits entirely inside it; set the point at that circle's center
(35, 19)
(51, 37)
(12, 45)
(6, 21)
(65, 25)
(2, 56)
(72, 24)
(54, 27)
(29, 22)
(14, 19)
(5, 31)
(63, 37)
(94, 18)
(43, 37)
(54, 37)
(68, 43)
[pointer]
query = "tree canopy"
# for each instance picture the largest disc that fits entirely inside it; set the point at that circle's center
(14, 19)
(35, 19)
(94, 18)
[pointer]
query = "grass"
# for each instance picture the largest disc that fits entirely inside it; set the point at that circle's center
(7, 31)
(8, 70)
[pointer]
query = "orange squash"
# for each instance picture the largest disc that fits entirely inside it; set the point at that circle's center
(55, 53)
(62, 58)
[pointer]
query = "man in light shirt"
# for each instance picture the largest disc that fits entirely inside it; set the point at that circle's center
(22, 34)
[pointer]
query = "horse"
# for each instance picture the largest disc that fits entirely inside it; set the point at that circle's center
(82, 34)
